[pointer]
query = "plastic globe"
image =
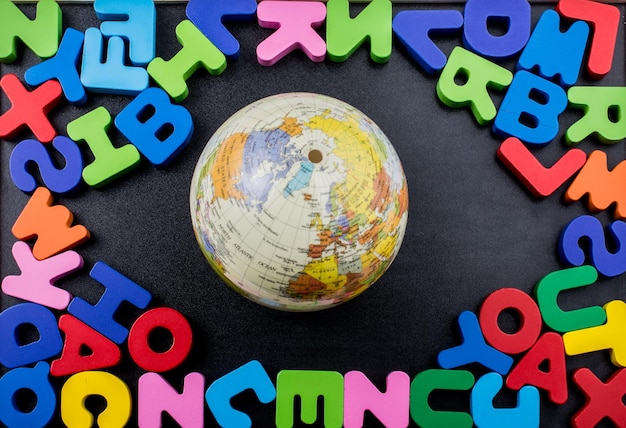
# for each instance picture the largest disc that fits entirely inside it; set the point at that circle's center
(299, 202)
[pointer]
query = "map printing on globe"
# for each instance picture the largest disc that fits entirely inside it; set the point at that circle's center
(299, 202)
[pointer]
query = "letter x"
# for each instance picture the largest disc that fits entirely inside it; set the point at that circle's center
(29, 108)
(603, 399)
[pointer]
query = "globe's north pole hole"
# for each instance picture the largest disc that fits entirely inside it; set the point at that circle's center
(315, 156)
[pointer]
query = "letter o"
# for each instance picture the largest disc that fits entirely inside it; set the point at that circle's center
(530, 320)
(140, 350)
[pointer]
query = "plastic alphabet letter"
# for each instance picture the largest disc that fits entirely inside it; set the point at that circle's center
(524, 415)
(36, 380)
(60, 181)
(109, 162)
(37, 278)
(52, 225)
(344, 35)
(480, 13)
(294, 22)
(391, 408)
(599, 105)
(480, 74)
(138, 340)
(541, 181)
(547, 293)
(309, 385)
(161, 136)
(414, 29)
(102, 352)
(251, 375)
(63, 66)
(197, 51)
(473, 349)
(41, 35)
(605, 20)
(438, 379)
(133, 21)
(530, 109)
(118, 288)
(587, 226)
(29, 109)
(604, 399)
(549, 348)
(13, 352)
(529, 316)
(157, 396)
(210, 15)
(111, 76)
(604, 187)
(605, 336)
(81, 385)
(553, 52)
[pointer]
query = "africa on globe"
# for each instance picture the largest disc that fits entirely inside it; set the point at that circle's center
(299, 202)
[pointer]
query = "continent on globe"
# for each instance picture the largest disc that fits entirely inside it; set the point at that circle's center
(299, 202)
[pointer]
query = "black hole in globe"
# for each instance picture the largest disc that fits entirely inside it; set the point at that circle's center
(315, 156)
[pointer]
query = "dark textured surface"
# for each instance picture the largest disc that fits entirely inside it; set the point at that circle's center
(472, 227)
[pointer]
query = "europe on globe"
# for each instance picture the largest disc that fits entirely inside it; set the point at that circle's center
(299, 202)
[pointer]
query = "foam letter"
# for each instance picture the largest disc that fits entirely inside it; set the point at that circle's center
(603, 187)
(391, 407)
(81, 385)
(309, 385)
(478, 16)
(530, 109)
(109, 162)
(586, 226)
(529, 315)
(79, 337)
(35, 380)
(414, 29)
(37, 278)
(606, 336)
(604, 400)
(209, 16)
(547, 293)
(133, 21)
(13, 353)
(58, 180)
(480, 75)
(473, 349)
(118, 288)
(111, 76)
(52, 225)
(437, 379)
(548, 349)
(541, 181)
(41, 35)
(197, 51)
(294, 22)
(524, 415)
(605, 20)
(252, 376)
(598, 104)
(157, 396)
(138, 340)
(344, 35)
(163, 134)
(553, 52)
(63, 67)
(29, 109)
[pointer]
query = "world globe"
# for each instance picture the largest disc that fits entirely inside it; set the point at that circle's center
(299, 202)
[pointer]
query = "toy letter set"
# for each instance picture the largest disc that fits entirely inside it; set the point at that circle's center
(299, 202)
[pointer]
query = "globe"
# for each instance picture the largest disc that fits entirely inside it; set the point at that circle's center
(299, 202)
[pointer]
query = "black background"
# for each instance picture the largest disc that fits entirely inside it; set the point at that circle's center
(472, 227)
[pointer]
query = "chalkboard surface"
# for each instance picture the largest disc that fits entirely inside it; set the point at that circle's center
(472, 228)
